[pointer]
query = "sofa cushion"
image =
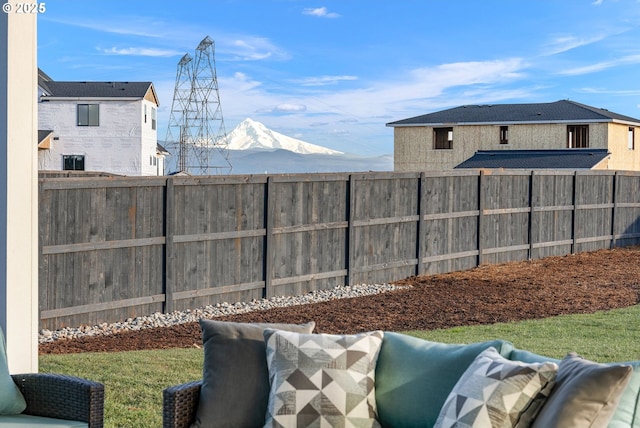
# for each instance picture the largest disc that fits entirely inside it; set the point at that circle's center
(23, 421)
(11, 400)
(322, 379)
(627, 414)
(530, 357)
(585, 395)
(415, 376)
(235, 374)
(497, 392)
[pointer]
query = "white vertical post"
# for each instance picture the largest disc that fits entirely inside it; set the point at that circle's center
(18, 187)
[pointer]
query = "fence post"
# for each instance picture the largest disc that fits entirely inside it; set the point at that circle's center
(422, 209)
(616, 185)
(531, 206)
(481, 204)
(351, 212)
(574, 226)
(269, 212)
(169, 249)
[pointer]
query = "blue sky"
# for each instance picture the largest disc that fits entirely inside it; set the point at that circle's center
(334, 73)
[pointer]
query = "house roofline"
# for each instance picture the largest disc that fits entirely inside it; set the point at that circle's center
(543, 122)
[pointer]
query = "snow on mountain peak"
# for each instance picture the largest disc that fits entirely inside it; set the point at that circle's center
(250, 134)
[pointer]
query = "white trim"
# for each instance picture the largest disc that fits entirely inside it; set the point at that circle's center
(19, 191)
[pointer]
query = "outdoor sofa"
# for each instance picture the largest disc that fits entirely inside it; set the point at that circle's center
(251, 373)
(48, 400)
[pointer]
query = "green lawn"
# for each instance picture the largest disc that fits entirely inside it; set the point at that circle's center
(134, 380)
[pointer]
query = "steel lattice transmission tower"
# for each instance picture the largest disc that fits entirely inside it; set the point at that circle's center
(196, 135)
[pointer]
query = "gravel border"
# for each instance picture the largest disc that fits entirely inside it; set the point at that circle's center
(212, 311)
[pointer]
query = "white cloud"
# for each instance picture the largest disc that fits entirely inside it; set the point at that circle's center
(604, 65)
(339, 132)
(630, 92)
(566, 43)
(417, 89)
(228, 46)
(321, 12)
(249, 48)
(240, 81)
(134, 51)
(122, 28)
(289, 108)
(324, 80)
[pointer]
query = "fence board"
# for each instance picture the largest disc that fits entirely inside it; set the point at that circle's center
(311, 218)
(552, 218)
(594, 204)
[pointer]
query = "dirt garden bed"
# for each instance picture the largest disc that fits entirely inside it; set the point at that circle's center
(581, 283)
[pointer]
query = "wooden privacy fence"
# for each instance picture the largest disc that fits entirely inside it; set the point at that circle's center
(115, 248)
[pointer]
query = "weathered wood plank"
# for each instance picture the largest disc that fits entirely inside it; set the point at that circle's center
(83, 309)
(204, 292)
(219, 236)
(105, 245)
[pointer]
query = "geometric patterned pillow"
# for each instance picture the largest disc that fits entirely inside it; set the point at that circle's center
(496, 392)
(322, 380)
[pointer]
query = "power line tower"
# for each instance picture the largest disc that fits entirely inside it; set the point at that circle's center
(196, 136)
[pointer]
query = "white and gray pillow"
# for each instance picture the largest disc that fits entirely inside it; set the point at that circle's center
(322, 379)
(495, 392)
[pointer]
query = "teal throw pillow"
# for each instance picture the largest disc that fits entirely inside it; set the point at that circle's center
(415, 376)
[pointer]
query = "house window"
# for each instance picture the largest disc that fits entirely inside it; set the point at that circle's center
(73, 162)
(504, 135)
(88, 114)
(145, 113)
(631, 144)
(578, 136)
(153, 118)
(443, 138)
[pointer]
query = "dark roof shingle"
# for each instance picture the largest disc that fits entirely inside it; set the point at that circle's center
(563, 110)
(97, 89)
(535, 159)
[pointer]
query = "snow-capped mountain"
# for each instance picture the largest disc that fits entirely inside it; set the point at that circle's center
(252, 135)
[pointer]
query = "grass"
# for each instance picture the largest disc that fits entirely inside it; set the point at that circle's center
(134, 380)
(606, 336)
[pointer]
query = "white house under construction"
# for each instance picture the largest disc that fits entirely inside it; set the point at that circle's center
(107, 127)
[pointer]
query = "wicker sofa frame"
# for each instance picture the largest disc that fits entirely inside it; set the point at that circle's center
(62, 397)
(179, 404)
